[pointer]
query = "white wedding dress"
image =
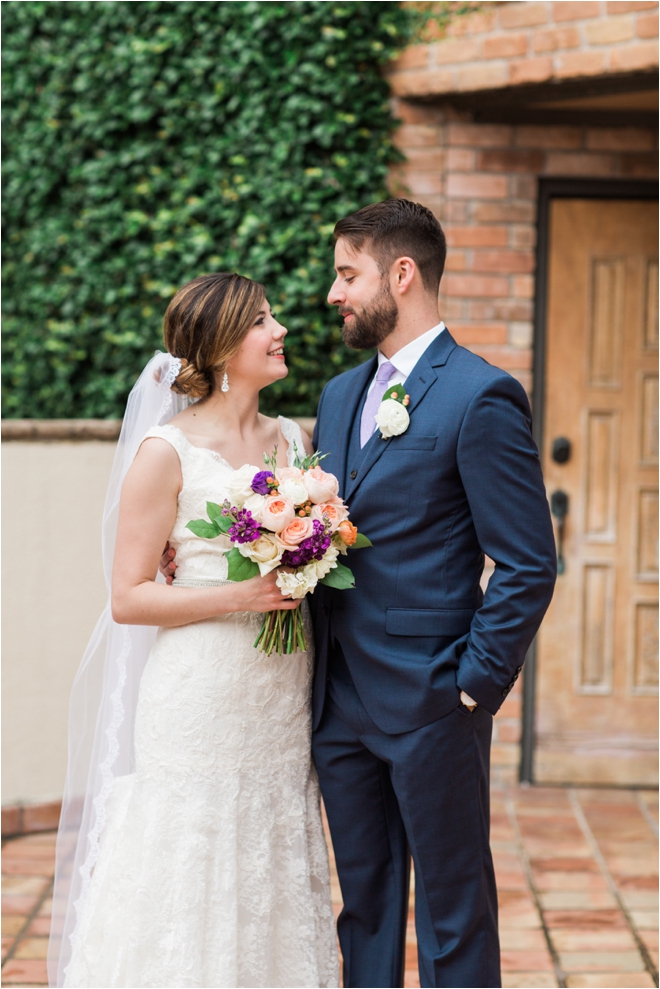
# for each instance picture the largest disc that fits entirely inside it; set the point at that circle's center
(213, 869)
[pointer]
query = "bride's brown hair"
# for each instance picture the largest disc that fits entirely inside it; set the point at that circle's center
(205, 324)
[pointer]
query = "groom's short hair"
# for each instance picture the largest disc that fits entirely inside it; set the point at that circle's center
(394, 228)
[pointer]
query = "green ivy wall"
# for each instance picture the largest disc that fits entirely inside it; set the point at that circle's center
(146, 143)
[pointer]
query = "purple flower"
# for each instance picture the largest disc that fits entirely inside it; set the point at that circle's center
(312, 548)
(263, 482)
(245, 529)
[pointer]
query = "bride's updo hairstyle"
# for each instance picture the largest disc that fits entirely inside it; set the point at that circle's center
(205, 324)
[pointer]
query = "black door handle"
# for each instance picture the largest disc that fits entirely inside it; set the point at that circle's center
(559, 503)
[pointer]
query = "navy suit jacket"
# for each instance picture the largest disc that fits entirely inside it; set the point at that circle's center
(463, 480)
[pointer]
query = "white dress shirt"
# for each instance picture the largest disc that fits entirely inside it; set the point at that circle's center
(405, 359)
(403, 362)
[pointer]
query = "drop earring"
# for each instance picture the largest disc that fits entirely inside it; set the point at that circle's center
(225, 383)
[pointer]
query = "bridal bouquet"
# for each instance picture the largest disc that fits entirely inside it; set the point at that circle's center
(286, 517)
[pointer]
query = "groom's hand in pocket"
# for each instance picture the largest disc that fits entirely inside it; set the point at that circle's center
(167, 565)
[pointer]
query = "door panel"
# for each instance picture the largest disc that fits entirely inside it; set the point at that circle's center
(598, 648)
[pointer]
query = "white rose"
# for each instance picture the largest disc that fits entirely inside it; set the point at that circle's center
(294, 490)
(392, 418)
(296, 585)
(339, 544)
(239, 485)
(254, 504)
(323, 567)
(265, 551)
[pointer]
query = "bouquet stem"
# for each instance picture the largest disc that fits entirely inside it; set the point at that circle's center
(282, 632)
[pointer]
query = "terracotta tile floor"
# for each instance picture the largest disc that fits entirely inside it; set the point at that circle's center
(577, 873)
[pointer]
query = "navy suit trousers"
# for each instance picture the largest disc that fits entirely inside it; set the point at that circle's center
(425, 793)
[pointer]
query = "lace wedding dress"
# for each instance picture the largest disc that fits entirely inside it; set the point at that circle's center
(212, 869)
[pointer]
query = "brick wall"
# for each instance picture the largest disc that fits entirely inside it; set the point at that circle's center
(511, 44)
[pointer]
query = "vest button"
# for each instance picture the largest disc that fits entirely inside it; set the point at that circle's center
(353, 475)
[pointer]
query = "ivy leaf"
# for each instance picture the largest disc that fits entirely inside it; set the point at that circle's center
(239, 567)
(340, 577)
(207, 530)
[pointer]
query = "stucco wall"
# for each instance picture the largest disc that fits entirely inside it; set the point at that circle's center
(53, 593)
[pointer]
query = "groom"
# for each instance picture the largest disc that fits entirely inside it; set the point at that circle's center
(414, 662)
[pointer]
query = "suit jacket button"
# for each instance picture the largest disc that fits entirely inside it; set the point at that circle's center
(353, 475)
(506, 691)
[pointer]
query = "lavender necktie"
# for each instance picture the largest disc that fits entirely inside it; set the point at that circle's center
(368, 424)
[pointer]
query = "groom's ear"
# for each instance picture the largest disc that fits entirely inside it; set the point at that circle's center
(402, 275)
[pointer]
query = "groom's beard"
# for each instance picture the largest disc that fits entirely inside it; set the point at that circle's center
(376, 321)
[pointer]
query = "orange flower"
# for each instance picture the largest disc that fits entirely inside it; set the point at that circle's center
(348, 532)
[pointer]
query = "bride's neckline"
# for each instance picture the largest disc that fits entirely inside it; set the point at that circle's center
(218, 457)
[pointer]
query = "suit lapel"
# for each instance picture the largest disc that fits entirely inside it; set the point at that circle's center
(417, 384)
(346, 416)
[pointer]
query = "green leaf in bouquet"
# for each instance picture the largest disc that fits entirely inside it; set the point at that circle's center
(361, 542)
(340, 577)
(207, 530)
(239, 567)
(214, 512)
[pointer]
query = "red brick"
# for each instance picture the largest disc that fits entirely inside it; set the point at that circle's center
(553, 40)
(523, 186)
(508, 732)
(40, 926)
(505, 358)
(477, 22)
(424, 183)
(587, 63)
(417, 136)
(531, 69)
(475, 285)
(505, 46)
(479, 135)
(11, 820)
(647, 26)
(456, 261)
(450, 51)
(421, 82)
(30, 971)
(479, 333)
(566, 163)
(460, 160)
(595, 919)
(635, 56)
(536, 961)
(425, 159)
(575, 10)
(639, 165)
(413, 57)
(630, 5)
(523, 286)
(522, 14)
(523, 235)
(477, 186)
(455, 211)
(503, 262)
(620, 139)
(41, 817)
(494, 212)
(482, 75)
(548, 137)
(510, 161)
(451, 308)
(476, 236)
(418, 113)
(507, 309)
(18, 905)
(609, 30)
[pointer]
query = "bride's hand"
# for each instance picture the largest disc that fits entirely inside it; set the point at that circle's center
(263, 594)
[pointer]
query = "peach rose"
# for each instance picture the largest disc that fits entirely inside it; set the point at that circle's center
(296, 531)
(336, 511)
(321, 486)
(348, 532)
(276, 513)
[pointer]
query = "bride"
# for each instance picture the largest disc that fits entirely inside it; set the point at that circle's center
(193, 853)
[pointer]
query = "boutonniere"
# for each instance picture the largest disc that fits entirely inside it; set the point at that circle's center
(392, 417)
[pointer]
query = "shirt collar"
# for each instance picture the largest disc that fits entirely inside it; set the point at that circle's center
(405, 359)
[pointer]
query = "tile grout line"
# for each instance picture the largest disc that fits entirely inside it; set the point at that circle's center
(30, 917)
(647, 815)
(592, 841)
(560, 975)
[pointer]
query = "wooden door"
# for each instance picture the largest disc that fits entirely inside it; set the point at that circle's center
(597, 680)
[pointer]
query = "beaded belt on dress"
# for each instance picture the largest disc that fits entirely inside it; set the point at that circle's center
(200, 582)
